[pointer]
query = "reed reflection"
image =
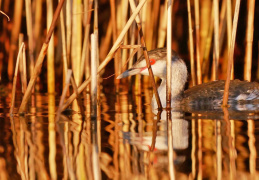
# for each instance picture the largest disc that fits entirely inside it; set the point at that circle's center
(134, 143)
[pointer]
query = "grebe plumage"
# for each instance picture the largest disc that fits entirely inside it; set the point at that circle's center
(207, 93)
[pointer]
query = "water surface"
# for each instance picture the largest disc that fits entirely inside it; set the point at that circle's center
(126, 141)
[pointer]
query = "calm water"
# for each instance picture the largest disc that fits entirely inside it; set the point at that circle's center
(127, 142)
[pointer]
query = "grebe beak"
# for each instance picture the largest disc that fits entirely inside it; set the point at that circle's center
(130, 72)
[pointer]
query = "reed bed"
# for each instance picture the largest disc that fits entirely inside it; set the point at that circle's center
(74, 48)
(120, 29)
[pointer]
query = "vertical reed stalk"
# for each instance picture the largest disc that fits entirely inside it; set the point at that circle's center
(76, 48)
(197, 30)
(155, 18)
(68, 29)
(216, 38)
(40, 59)
(191, 44)
(15, 79)
(24, 81)
(148, 33)
(124, 15)
(162, 28)
(84, 57)
(96, 30)
(93, 74)
(132, 42)
(18, 7)
(50, 53)
(207, 47)
(231, 53)
(37, 24)
(104, 47)
(249, 40)
(21, 62)
(64, 47)
(114, 33)
(30, 30)
(169, 57)
(229, 30)
(222, 24)
(205, 25)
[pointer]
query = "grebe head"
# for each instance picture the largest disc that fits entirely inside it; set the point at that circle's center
(157, 58)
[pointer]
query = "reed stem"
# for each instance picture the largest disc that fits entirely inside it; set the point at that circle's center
(50, 52)
(191, 44)
(18, 6)
(197, 30)
(15, 79)
(249, 40)
(231, 53)
(169, 56)
(40, 59)
(94, 75)
(216, 38)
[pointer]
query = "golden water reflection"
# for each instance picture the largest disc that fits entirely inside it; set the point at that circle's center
(127, 142)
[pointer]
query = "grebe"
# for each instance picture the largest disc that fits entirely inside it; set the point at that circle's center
(210, 93)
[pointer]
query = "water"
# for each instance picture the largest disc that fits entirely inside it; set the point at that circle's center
(127, 142)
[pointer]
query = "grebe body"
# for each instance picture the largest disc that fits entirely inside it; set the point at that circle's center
(207, 93)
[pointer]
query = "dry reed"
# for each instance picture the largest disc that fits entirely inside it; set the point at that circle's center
(114, 48)
(28, 10)
(50, 51)
(191, 44)
(197, 32)
(76, 41)
(94, 75)
(231, 53)
(15, 79)
(69, 29)
(21, 40)
(18, 6)
(40, 59)
(64, 48)
(169, 57)
(216, 39)
(249, 40)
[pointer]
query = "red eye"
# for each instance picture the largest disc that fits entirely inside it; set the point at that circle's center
(152, 61)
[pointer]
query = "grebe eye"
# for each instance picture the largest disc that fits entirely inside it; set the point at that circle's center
(152, 61)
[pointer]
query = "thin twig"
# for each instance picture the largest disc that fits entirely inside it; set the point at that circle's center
(5, 15)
